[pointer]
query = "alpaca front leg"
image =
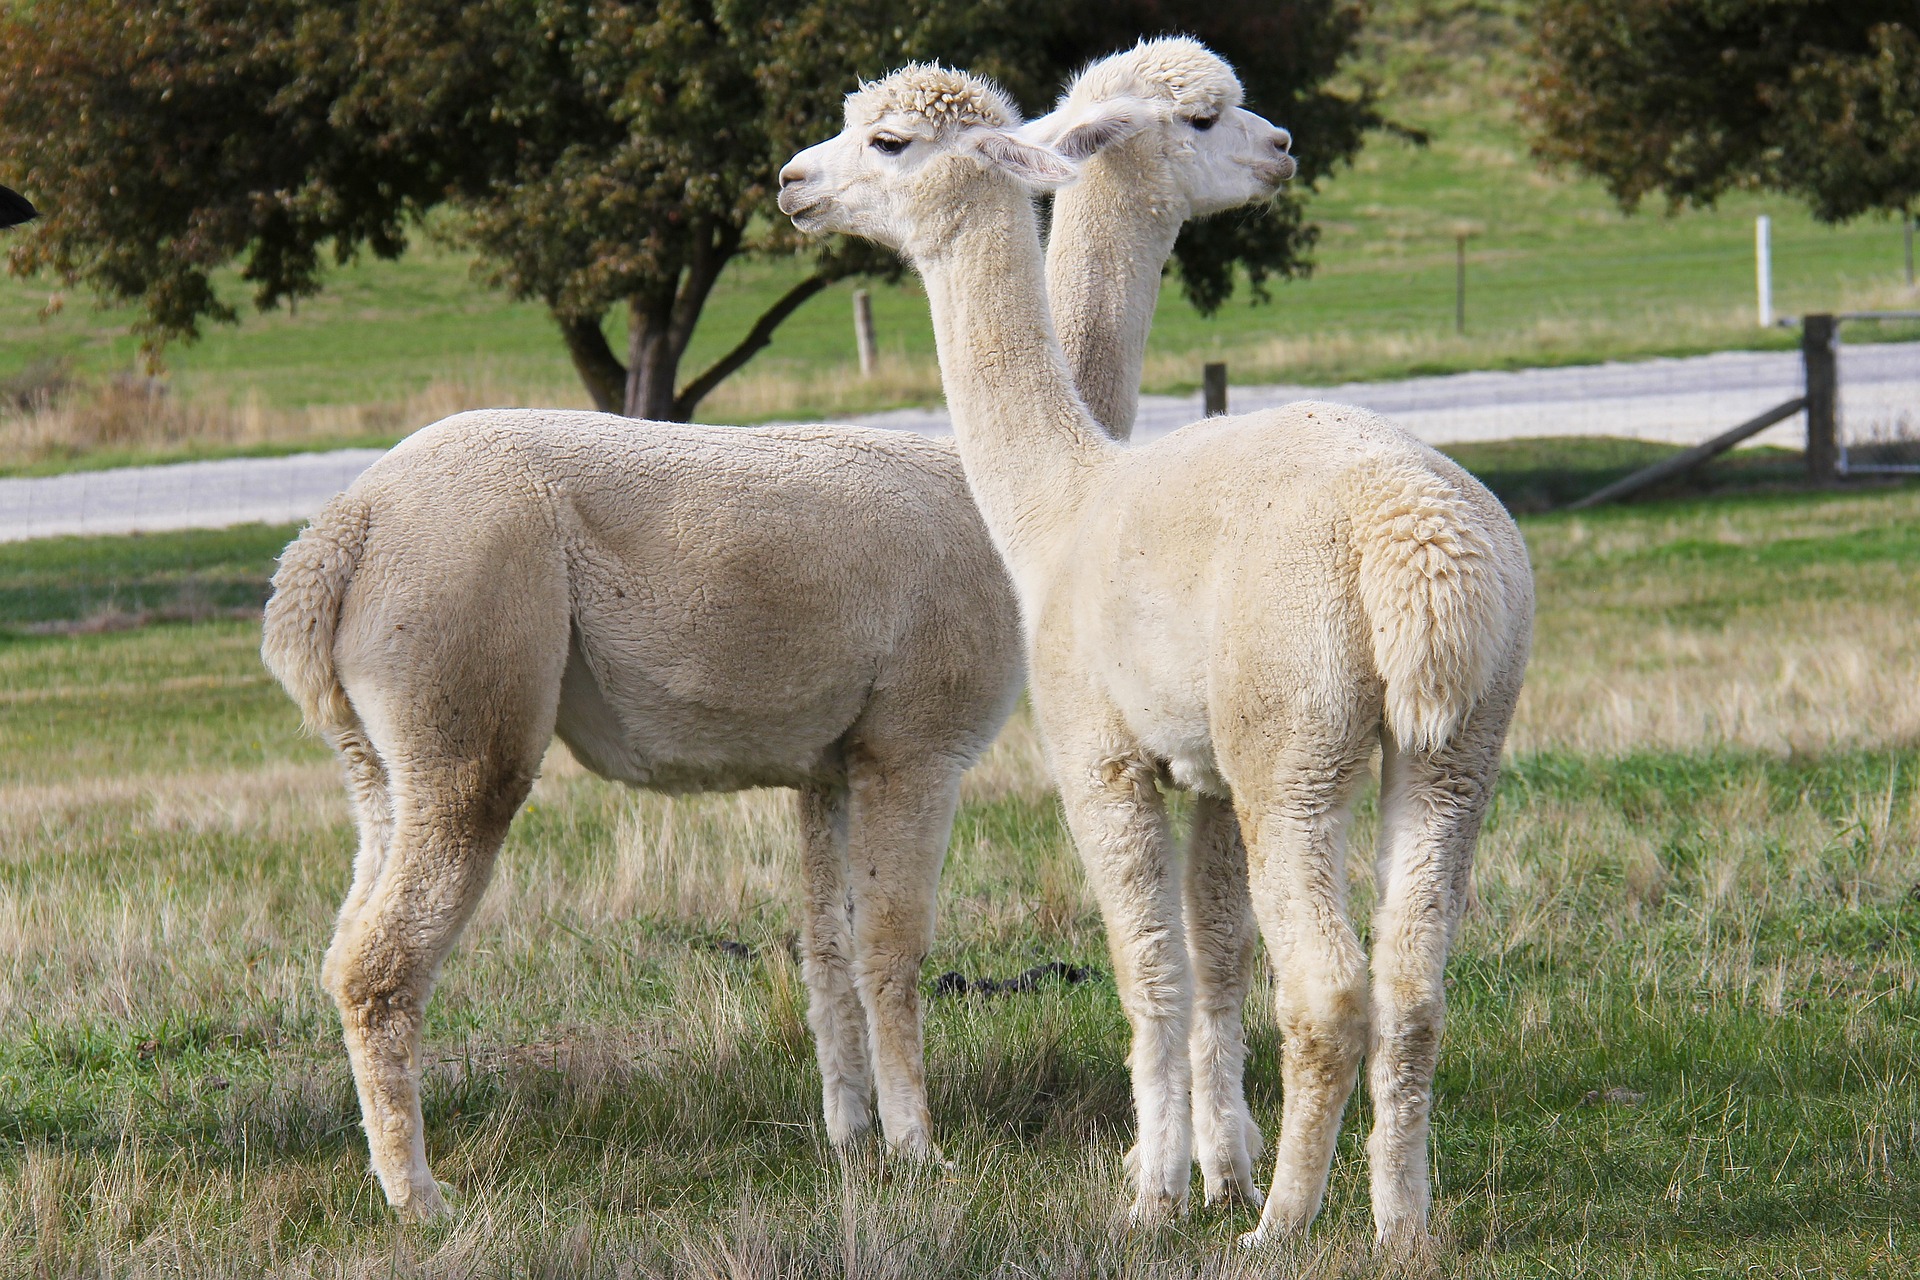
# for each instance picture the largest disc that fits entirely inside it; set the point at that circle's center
(1120, 828)
(1220, 938)
(826, 960)
(900, 821)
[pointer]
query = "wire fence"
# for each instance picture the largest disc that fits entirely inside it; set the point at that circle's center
(1677, 401)
(1878, 427)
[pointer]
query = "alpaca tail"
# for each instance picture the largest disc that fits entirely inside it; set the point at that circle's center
(1448, 596)
(304, 613)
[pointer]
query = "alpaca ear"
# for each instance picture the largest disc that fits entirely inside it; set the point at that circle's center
(1038, 166)
(1077, 133)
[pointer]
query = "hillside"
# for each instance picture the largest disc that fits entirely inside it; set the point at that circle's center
(1555, 274)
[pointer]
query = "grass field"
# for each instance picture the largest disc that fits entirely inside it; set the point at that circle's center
(1556, 274)
(1684, 1018)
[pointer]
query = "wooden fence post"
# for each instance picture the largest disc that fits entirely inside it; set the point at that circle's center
(1459, 282)
(1819, 340)
(863, 332)
(1213, 382)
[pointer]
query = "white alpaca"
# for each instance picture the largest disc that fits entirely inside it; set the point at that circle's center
(1245, 608)
(689, 608)
(1165, 139)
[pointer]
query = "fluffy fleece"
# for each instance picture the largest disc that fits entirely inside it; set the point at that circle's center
(1247, 608)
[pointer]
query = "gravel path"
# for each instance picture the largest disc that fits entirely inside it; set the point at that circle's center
(1678, 401)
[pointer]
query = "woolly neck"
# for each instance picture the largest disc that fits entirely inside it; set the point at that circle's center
(1111, 237)
(1026, 439)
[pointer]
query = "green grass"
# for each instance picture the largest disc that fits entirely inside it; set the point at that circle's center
(77, 580)
(1681, 1040)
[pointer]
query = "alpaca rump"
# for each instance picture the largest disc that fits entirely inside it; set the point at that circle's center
(1247, 606)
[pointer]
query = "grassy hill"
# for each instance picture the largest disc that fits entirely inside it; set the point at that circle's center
(1556, 274)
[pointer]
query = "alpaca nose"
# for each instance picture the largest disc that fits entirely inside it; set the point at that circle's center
(791, 174)
(1282, 140)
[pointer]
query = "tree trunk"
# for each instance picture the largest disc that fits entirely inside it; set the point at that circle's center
(652, 361)
(601, 372)
(660, 326)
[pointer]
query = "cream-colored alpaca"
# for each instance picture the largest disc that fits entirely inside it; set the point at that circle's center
(690, 608)
(1164, 138)
(1245, 607)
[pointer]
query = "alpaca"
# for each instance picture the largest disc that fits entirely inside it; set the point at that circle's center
(1244, 608)
(1164, 139)
(689, 608)
(1172, 143)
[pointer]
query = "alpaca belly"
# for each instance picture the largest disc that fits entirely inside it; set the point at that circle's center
(1166, 710)
(674, 745)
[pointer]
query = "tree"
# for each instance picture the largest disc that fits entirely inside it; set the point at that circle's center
(1691, 98)
(599, 155)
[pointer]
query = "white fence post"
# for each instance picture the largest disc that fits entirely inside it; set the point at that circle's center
(1763, 267)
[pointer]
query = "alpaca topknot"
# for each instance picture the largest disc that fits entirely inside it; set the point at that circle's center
(1177, 69)
(945, 97)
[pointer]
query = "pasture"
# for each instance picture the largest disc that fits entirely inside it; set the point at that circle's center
(1683, 1022)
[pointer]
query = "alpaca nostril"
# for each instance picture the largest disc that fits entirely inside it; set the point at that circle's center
(1282, 141)
(791, 174)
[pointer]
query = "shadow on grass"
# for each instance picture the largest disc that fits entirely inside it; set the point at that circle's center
(1539, 475)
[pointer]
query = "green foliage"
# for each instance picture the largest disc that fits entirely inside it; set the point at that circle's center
(603, 155)
(1691, 99)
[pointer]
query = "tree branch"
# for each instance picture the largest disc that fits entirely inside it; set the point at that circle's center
(600, 370)
(712, 250)
(757, 337)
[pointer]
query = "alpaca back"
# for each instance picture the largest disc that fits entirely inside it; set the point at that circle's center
(731, 601)
(1288, 540)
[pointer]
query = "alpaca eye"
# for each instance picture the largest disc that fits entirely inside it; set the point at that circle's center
(887, 146)
(1204, 123)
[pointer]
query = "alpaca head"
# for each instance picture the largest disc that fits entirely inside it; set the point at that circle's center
(1169, 112)
(920, 149)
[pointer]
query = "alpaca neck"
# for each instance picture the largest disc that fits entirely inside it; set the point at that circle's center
(1025, 437)
(1112, 234)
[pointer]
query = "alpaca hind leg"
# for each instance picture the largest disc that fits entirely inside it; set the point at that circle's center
(1297, 861)
(384, 960)
(826, 959)
(1119, 826)
(372, 818)
(1431, 808)
(897, 838)
(1220, 936)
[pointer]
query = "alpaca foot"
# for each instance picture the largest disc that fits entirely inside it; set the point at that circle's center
(1264, 1235)
(425, 1201)
(848, 1135)
(1231, 1192)
(1155, 1209)
(916, 1146)
(1226, 1169)
(1160, 1193)
(1406, 1244)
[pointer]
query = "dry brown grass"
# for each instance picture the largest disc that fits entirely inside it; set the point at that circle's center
(127, 419)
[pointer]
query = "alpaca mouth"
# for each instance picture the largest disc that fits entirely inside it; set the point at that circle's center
(795, 204)
(1277, 171)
